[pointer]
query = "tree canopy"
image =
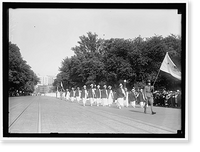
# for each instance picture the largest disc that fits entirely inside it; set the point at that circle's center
(21, 77)
(113, 60)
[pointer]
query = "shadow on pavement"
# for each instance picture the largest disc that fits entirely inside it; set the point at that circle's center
(136, 111)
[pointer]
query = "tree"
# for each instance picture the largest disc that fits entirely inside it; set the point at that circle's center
(86, 66)
(21, 77)
(88, 46)
(111, 61)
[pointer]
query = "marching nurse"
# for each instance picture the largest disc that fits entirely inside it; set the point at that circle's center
(94, 91)
(84, 95)
(61, 94)
(67, 94)
(91, 94)
(126, 97)
(104, 96)
(72, 95)
(77, 94)
(110, 96)
(98, 95)
(57, 92)
(120, 96)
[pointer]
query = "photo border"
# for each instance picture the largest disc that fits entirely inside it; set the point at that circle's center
(181, 8)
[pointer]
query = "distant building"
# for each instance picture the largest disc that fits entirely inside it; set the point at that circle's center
(46, 80)
(45, 84)
(51, 79)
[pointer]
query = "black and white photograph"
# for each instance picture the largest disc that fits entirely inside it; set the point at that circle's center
(94, 70)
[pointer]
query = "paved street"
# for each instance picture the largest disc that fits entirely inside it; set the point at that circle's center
(42, 114)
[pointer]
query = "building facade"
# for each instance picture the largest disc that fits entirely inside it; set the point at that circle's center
(46, 80)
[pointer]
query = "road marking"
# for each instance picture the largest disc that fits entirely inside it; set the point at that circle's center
(18, 117)
(113, 116)
(39, 117)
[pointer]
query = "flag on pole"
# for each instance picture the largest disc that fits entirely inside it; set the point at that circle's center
(61, 84)
(169, 67)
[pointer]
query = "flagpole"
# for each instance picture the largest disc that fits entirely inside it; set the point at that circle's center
(156, 77)
(158, 71)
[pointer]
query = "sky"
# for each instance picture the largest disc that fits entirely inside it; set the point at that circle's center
(45, 36)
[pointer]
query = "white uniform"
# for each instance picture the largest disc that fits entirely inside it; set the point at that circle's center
(120, 97)
(78, 97)
(110, 98)
(98, 96)
(126, 100)
(104, 97)
(67, 96)
(84, 95)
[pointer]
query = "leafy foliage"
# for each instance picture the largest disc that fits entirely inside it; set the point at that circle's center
(21, 77)
(114, 60)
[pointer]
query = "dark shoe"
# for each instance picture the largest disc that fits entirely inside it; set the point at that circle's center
(153, 113)
(145, 110)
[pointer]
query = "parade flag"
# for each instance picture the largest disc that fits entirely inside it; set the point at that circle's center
(169, 67)
(61, 84)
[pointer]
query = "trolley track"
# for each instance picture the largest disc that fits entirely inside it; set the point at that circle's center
(114, 120)
(100, 122)
(15, 105)
(138, 121)
(114, 117)
(24, 112)
(115, 123)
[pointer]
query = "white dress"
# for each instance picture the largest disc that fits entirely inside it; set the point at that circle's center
(67, 95)
(110, 98)
(126, 100)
